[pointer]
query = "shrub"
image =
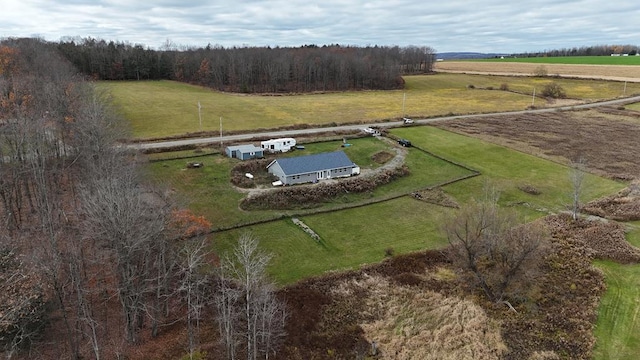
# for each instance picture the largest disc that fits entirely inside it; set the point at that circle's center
(471, 86)
(554, 90)
(389, 251)
(541, 71)
(504, 87)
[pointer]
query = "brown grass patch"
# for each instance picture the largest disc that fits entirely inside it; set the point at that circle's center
(436, 196)
(608, 142)
(623, 206)
(607, 72)
(382, 157)
(409, 324)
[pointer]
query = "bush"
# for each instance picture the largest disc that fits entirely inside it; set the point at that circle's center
(504, 87)
(541, 71)
(554, 90)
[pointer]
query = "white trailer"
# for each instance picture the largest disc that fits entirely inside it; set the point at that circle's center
(278, 145)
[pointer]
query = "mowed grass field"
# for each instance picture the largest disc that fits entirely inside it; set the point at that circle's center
(165, 108)
(362, 235)
(618, 326)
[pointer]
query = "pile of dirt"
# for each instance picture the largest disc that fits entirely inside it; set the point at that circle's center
(623, 206)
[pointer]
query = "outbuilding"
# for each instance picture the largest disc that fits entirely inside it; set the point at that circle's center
(313, 168)
(244, 152)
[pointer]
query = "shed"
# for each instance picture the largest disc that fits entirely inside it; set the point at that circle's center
(313, 168)
(244, 152)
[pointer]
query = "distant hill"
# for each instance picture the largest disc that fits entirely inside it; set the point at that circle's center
(466, 55)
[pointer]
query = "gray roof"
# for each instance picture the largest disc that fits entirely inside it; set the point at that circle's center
(310, 163)
(245, 148)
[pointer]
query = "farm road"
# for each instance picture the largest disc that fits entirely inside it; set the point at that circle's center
(357, 127)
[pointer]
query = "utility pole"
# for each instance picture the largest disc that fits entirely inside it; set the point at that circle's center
(200, 115)
(220, 132)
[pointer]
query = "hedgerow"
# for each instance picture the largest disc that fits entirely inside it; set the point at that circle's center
(310, 196)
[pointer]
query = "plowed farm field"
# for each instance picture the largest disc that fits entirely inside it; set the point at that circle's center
(606, 138)
(629, 73)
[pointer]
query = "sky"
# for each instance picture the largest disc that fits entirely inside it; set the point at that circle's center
(489, 26)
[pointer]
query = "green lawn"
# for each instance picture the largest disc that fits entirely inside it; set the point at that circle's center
(207, 190)
(618, 326)
(350, 238)
(572, 60)
(507, 170)
(167, 108)
(360, 235)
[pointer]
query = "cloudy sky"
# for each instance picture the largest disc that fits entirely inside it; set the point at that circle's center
(445, 25)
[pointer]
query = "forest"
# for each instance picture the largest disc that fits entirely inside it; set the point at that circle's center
(94, 257)
(307, 68)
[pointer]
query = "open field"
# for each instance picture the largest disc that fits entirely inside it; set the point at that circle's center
(357, 236)
(511, 154)
(618, 326)
(570, 60)
(629, 73)
(165, 108)
(208, 191)
(607, 139)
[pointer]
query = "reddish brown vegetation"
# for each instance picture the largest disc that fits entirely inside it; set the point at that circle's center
(623, 206)
(556, 320)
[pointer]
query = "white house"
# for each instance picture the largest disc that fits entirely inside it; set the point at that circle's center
(278, 145)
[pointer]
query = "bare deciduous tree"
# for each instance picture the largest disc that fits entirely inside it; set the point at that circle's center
(500, 254)
(249, 314)
(129, 221)
(576, 176)
(192, 285)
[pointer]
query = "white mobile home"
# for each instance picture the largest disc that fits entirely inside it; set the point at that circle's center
(278, 145)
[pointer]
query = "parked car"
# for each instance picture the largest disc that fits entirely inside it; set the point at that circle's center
(404, 142)
(371, 131)
(407, 121)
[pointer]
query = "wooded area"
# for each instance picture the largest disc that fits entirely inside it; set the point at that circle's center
(253, 69)
(89, 249)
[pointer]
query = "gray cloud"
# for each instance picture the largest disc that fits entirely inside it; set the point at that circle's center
(452, 25)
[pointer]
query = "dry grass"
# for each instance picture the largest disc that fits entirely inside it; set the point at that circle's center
(608, 72)
(607, 141)
(406, 323)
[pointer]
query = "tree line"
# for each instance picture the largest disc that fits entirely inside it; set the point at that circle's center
(595, 50)
(253, 69)
(91, 248)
